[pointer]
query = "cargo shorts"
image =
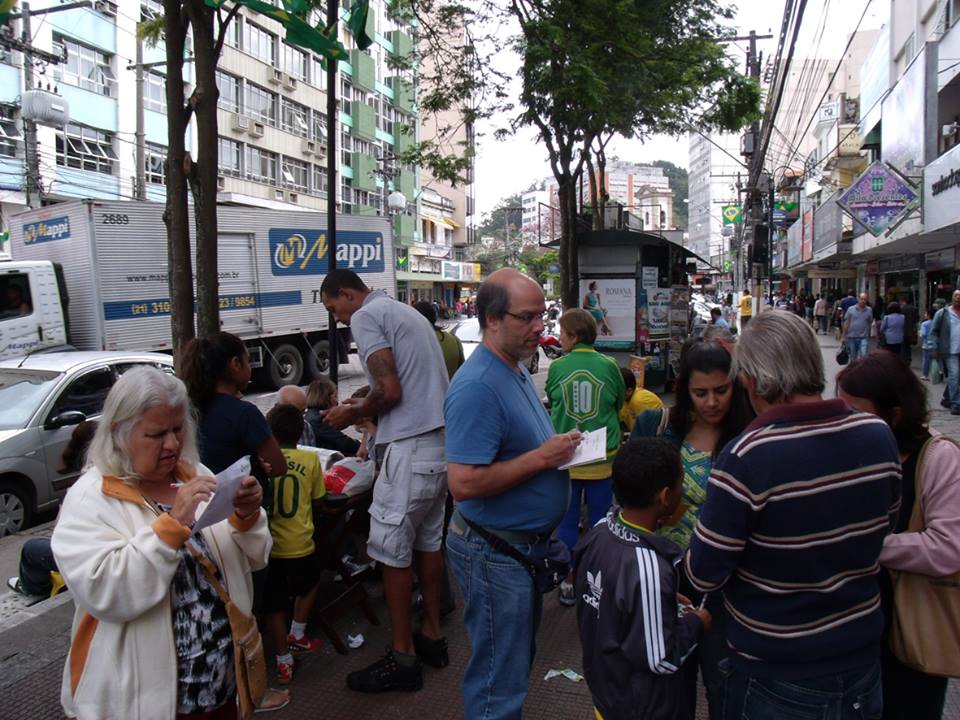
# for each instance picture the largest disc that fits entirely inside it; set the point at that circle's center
(406, 514)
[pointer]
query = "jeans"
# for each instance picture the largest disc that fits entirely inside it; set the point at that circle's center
(36, 564)
(599, 495)
(856, 347)
(927, 358)
(952, 363)
(501, 611)
(853, 695)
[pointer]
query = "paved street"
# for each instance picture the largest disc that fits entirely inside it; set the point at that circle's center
(34, 648)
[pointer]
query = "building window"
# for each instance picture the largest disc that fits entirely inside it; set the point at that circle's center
(318, 73)
(260, 103)
(320, 180)
(8, 132)
(155, 92)
(85, 67)
(86, 148)
(260, 43)
(155, 159)
(346, 89)
(232, 36)
(229, 87)
(228, 156)
(346, 147)
(294, 62)
(261, 165)
(319, 127)
(294, 117)
(294, 174)
(150, 9)
(346, 196)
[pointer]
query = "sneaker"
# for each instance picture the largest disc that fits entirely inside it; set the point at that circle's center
(284, 673)
(568, 597)
(17, 587)
(304, 644)
(431, 652)
(387, 675)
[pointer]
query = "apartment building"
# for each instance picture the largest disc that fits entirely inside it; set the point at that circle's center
(713, 173)
(272, 121)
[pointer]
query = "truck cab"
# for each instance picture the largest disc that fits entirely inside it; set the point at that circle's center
(32, 300)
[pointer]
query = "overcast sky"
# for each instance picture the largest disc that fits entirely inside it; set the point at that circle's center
(506, 167)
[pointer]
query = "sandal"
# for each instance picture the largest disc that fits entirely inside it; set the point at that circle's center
(273, 700)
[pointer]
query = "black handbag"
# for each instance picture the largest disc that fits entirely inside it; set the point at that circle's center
(843, 357)
(548, 561)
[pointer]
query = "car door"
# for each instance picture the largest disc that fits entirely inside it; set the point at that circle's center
(85, 392)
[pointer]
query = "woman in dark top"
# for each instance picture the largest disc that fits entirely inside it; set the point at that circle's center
(216, 370)
(882, 384)
(321, 396)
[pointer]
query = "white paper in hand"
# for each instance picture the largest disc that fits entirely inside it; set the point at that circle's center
(220, 506)
(592, 448)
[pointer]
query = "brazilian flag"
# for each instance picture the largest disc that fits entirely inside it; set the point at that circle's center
(6, 7)
(299, 31)
(358, 23)
(732, 215)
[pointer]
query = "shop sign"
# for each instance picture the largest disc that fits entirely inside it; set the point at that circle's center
(944, 259)
(806, 247)
(450, 270)
(941, 191)
(785, 211)
(878, 198)
(908, 131)
(613, 303)
(794, 244)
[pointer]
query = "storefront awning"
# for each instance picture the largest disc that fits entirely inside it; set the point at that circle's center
(407, 276)
(441, 221)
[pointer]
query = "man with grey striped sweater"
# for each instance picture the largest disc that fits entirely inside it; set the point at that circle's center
(797, 508)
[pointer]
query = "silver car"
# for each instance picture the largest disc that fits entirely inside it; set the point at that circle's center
(42, 398)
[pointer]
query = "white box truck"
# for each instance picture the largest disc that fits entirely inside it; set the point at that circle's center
(93, 274)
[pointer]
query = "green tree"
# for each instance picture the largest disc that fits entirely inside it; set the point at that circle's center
(506, 216)
(678, 183)
(591, 69)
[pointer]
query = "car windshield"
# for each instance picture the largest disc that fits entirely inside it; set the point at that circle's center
(21, 393)
(468, 332)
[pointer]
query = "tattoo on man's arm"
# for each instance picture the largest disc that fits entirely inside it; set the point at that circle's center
(382, 368)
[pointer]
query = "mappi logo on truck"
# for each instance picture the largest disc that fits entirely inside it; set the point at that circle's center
(304, 252)
(46, 230)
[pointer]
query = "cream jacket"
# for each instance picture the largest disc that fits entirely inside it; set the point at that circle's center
(118, 559)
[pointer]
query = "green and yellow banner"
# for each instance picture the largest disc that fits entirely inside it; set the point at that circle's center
(732, 215)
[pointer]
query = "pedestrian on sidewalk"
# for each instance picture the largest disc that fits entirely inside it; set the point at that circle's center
(892, 329)
(820, 315)
(856, 328)
(151, 637)
(946, 332)
(408, 381)
(293, 575)
(503, 454)
(927, 344)
(746, 308)
(711, 409)
(635, 643)
(805, 624)
(887, 388)
(582, 372)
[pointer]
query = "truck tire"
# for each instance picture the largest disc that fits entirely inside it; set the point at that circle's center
(16, 508)
(318, 364)
(284, 365)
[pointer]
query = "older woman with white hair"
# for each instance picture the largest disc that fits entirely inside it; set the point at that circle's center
(151, 637)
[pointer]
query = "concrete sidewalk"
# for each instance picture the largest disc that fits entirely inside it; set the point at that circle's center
(35, 646)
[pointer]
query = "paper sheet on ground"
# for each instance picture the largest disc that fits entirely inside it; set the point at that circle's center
(592, 448)
(220, 506)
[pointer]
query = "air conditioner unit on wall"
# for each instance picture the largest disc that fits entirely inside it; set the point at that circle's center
(221, 182)
(240, 123)
(293, 197)
(274, 76)
(309, 147)
(289, 82)
(256, 129)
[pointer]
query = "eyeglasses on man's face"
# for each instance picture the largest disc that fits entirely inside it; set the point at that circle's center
(527, 317)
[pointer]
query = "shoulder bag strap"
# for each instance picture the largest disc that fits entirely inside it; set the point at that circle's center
(210, 572)
(664, 421)
(499, 544)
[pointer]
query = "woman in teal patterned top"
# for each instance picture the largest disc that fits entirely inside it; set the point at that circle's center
(710, 410)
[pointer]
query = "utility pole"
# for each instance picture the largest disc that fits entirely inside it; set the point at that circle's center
(32, 186)
(333, 124)
(140, 191)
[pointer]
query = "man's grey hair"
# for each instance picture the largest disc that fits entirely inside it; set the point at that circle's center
(134, 394)
(780, 353)
(493, 299)
(292, 395)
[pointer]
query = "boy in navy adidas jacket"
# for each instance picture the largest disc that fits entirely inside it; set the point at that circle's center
(634, 638)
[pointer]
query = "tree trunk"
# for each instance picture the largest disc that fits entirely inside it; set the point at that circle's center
(176, 215)
(569, 267)
(203, 177)
(602, 182)
(594, 193)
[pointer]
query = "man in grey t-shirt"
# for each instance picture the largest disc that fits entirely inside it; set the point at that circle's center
(408, 383)
(856, 327)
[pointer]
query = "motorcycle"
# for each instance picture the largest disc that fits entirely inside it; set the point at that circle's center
(550, 344)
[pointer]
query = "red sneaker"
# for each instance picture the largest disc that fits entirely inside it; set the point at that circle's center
(284, 673)
(304, 644)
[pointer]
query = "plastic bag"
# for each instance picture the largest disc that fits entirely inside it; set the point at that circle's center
(350, 476)
(935, 375)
